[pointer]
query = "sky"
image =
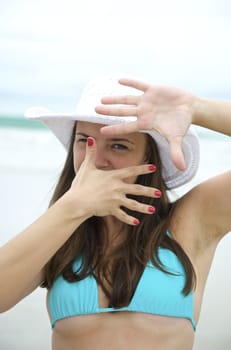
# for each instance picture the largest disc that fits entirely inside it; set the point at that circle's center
(49, 49)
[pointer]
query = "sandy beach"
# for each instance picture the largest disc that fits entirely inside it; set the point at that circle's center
(30, 163)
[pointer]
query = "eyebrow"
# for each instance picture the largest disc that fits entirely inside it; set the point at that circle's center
(114, 139)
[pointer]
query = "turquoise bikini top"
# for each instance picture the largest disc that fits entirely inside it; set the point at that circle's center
(157, 293)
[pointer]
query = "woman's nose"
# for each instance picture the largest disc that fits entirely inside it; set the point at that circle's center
(101, 159)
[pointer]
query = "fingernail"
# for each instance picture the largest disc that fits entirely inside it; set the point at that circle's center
(136, 222)
(90, 141)
(152, 167)
(152, 210)
(157, 193)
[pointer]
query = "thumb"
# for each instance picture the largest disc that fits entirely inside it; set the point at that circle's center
(176, 152)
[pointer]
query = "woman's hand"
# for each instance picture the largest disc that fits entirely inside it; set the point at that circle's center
(104, 192)
(164, 109)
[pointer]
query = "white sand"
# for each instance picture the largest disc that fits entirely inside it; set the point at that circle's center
(29, 163)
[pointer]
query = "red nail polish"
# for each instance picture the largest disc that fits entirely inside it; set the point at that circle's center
(136, 222)
(157, 193)
(152, 210)
(152, 167)
(90, 141)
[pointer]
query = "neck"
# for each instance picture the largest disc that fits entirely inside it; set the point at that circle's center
(114, 228)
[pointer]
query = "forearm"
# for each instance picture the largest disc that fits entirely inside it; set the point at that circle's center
(23, 258)
(213, 114)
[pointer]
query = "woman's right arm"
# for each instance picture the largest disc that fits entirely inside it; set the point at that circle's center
(23, 258)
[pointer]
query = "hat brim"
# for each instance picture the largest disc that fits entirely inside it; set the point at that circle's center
(62, 126)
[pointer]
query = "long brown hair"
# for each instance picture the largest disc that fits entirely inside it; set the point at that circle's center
(119, 270)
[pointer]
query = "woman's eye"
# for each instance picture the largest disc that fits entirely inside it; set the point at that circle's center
(118, 146)
(83, 140)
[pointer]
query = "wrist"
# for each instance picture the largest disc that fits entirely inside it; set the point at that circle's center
(73, 208)
(200, 110)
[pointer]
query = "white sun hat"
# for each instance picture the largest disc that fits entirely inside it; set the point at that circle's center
(62, 126)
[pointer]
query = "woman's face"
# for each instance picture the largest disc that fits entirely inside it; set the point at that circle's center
(111, 152)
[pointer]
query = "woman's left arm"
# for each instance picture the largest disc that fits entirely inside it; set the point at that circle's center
(170, 111)
(214, 195)
(213, 114)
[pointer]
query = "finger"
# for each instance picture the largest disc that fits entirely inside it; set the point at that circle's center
(90, 151)
(176, 152)
(134, 171)
(126, 100)
(139, 190)
(139, 207)
(116, 111)
(118, 129)
(136, 84)
(127, 219)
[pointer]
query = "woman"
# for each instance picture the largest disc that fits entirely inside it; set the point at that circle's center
(124, 267)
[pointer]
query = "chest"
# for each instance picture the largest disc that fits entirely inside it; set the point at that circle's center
(157, 292)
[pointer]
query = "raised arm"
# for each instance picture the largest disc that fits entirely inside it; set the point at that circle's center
(213, 114)
(213, 196)
(171, 111)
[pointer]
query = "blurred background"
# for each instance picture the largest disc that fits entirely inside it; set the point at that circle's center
(48, 51)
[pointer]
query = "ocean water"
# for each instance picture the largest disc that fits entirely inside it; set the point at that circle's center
(30, 162)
